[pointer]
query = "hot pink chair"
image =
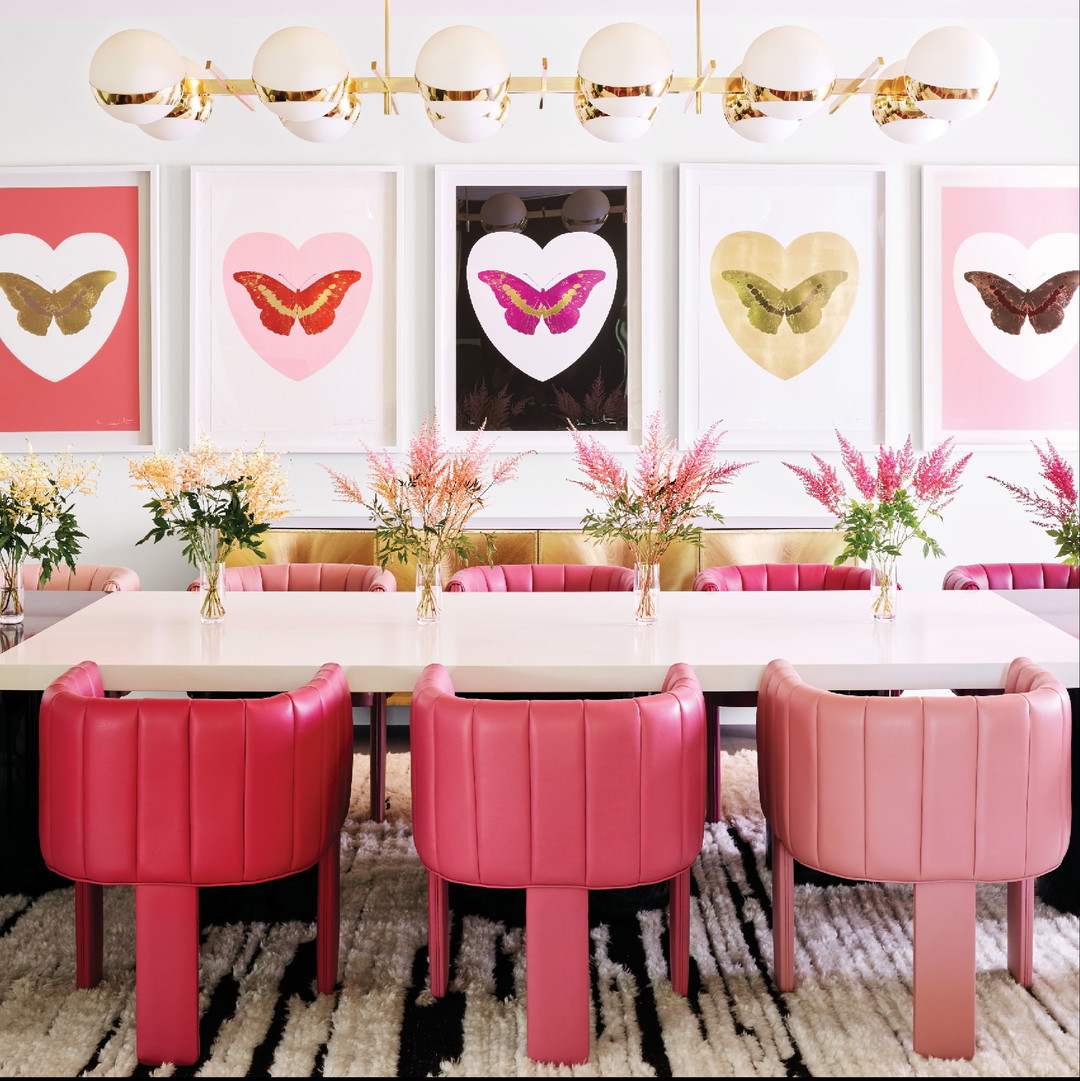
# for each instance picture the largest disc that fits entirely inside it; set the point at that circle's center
(941, 792)
(558, 797)
(1013, 576)
(330, 578)
(171, 794)
(88, 576)
(542, 578)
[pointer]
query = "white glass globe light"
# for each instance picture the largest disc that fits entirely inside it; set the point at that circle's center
(503, 212)
(136, 76)
(300, 73)
(897, 115)
(788, 72)
(612, 129)
(624, 69)
(951, 72)
(189, 115)
(325, 129)
(463, 74)
(585, 210)
(751, 123)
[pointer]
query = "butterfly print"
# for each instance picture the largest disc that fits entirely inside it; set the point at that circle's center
(1043, 307)
(71, 307)
(767, 306)
(312, 307)
(557, 305)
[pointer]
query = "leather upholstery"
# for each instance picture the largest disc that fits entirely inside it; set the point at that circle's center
(542, 578)
(942, 792)
(169, 794)
(781, 576)
(90, 576)
(558, 797)
(1013, 576)
(307, 578)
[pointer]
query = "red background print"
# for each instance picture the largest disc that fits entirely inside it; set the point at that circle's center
(103, 395)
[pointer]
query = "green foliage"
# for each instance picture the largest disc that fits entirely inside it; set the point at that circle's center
(872, 527)
(47, 533)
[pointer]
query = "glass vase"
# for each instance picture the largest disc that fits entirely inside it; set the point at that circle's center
(212, 593)
(428, 592)
(646, 592)
(883, 586)
(12, 594)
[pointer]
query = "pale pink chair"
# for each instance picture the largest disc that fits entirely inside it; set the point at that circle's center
(558, 797)
(86, 576)
(170, 794)
(542, 578)
(938, 791)
(336, 578)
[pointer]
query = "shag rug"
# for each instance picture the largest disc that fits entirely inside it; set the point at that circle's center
(849, 1016)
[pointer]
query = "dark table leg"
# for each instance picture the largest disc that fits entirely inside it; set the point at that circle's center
(377, 751)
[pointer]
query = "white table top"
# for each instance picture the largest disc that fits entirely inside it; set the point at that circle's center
(543, 641)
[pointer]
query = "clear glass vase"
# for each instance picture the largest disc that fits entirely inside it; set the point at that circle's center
(12, 594)
(428, 592)
(212, 593)
(883, 586)
(646, 592)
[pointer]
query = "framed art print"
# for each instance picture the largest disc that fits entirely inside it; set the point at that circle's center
(781, 304)
(296, 280)
(1001, 318)
(78, 254)
(538, 316)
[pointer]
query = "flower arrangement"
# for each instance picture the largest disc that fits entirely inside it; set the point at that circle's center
(659, 503)
(1054, 512)
(37, 519)
(421, 508)
(890, 505)
(214, 503)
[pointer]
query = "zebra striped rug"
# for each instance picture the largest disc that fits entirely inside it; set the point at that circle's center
(850, 1016)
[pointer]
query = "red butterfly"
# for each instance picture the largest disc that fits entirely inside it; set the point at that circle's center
(1043, 307)
(280, 307)
(557, 305)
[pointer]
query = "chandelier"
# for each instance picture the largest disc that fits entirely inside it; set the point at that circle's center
(462, 74)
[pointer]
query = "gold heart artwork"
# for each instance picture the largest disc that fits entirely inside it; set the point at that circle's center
(785, 307)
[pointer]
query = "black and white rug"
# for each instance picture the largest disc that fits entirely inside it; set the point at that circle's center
(849, 1016)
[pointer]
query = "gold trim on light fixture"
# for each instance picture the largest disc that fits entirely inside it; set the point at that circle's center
(586, 111)
(489, 93)
(764, 93)
(594, 91)
(331, 94)
(926, 92)
(193, 104)
(169, 95)
(893, 102)
(498, 111)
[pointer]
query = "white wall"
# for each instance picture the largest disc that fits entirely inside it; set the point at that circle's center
(50, 119)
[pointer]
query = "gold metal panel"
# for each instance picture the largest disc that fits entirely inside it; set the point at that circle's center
(311, 546)
(726, 547)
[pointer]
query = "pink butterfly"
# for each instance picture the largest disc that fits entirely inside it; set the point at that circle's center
(557, 306)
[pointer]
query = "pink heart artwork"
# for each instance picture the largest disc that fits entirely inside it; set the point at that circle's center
(297, 307)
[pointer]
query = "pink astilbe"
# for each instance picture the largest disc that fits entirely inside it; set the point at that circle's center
(824, 485)
(855, 464)
(936, 482)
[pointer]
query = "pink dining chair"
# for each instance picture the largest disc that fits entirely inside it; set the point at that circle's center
(88, 576)
(558, 797)
(941, 792)
(542, 578)
(336, 578)
(1012, 576)
(170, 794)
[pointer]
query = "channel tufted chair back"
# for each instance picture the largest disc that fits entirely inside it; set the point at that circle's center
(170, 794)
(307, 578)
(1013, 576)
(88, 576)
(938, 791)
(558, 797)
(781, 576)
(542, 578)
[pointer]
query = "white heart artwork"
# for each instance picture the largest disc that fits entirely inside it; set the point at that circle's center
(54, 340)
(542, 307)
(1026, 354)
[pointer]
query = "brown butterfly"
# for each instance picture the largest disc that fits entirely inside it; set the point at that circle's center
(1043, 307)
(71, 306)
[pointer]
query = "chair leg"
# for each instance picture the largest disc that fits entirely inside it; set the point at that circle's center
(377, 756)
(328, 920)
(438, 894)
(783, 915)
(712, 769)
(88, 933)
(679, 932)
(557, 973)
(1021, 923)
(167, 974)
(944, 969)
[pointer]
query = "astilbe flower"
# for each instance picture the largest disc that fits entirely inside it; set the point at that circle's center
(1055, 512)
(664, 497)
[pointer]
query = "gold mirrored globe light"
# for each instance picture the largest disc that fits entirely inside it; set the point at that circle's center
(503, 212)
(136, 76)
(585, 210)
(325, 129)
(751, 123)
(623, 72)
(897, 115)
(951, 73)
(463, 74)
(300, 73)
(788, 73)
(189, 115)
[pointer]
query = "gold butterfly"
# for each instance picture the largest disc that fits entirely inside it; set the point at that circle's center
(70, 307)
(768, 306)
